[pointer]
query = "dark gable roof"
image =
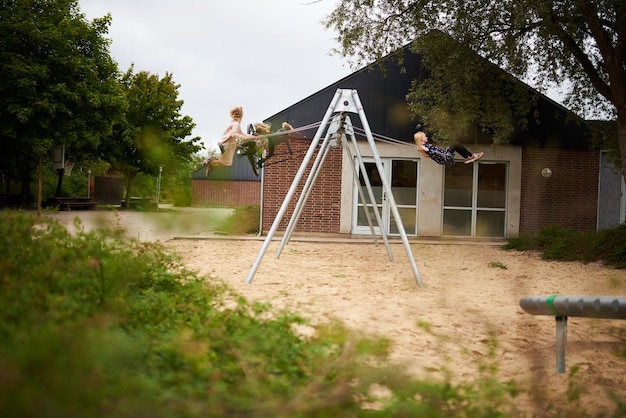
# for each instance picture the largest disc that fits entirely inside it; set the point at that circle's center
(383, 95)
(556, 127)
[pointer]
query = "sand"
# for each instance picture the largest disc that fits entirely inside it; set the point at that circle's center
(471, 293)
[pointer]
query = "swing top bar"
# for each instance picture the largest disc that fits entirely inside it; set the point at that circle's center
(346, 102)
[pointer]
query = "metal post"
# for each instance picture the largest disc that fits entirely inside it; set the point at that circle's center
(370, 192)
(359, 190)
(304, 195)
(158, 194)
(561, 342)
(387, 188)
(89, 183)
(261, 204)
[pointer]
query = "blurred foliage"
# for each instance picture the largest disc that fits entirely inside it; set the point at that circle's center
(177, 187)
(94, 325)
(175, 182)
(244, 220)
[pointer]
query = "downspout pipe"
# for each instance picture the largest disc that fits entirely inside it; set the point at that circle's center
(261, 203)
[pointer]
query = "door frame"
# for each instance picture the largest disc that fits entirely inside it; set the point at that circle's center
(384, 206)
(474, 208)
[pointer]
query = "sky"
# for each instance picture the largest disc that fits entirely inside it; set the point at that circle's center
(264, 55)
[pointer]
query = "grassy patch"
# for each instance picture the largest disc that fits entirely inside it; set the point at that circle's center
(497, 264)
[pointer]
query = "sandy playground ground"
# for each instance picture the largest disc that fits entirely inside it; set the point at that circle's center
(471, 292)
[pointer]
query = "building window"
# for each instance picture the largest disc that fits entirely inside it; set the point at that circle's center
(474, 203)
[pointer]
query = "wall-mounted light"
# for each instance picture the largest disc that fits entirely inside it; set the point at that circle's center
(546, 172)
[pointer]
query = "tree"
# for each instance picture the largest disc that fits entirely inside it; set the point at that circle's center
(578, 46)
(152, 133)
(177, 183)
(59, 84)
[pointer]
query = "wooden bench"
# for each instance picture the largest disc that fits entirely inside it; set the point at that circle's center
(140, 203)
(72, 203)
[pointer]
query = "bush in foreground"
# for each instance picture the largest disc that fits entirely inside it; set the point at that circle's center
(93, 325)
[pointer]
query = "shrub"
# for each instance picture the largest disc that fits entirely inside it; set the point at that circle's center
(609, 245)
(244, 220)
(557, 243)
(94, 325)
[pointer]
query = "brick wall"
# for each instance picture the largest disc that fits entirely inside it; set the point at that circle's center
(568, 198)
(322, 211)
(226, 193)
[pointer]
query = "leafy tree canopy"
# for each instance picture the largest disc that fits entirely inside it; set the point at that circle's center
(59, 84)
(578, 46)
(153, 132)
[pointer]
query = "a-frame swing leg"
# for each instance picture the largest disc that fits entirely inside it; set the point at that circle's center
(294, 186)
(339, 127)
(343, 101)
(304, 195)
(386, 187)
(357, 185)
(350, 132)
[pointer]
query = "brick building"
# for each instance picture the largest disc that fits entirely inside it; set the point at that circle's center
(548, 174)
(232, 186)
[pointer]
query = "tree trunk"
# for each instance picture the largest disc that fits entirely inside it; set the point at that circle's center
(7, 176)
(129, 189)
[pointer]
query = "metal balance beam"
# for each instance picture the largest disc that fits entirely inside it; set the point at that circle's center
(602, 307)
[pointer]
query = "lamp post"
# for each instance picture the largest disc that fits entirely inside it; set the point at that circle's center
(158, 191)
(89, 183)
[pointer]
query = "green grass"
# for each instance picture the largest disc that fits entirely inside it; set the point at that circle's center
(497, 264)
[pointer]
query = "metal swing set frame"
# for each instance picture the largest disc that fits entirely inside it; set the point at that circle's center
(339, 131)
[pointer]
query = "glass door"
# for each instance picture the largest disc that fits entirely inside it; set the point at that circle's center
(474, 202)
(404, 189)
(402, 175)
